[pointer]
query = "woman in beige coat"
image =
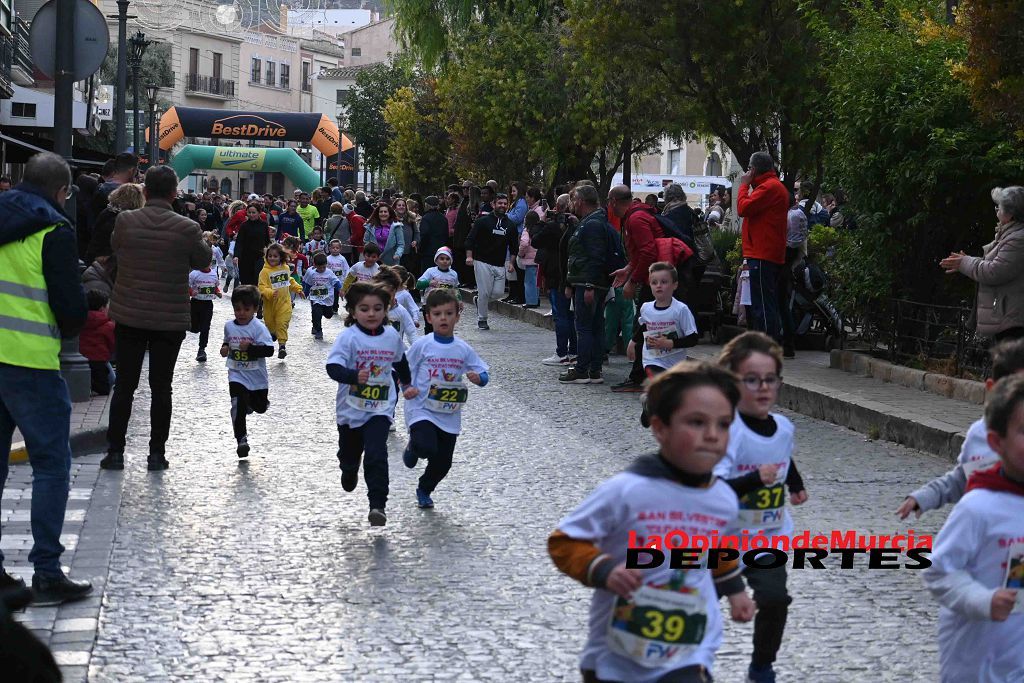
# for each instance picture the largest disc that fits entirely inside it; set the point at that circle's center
(999, 272)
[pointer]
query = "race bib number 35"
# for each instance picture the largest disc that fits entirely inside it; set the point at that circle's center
(239, 359)
(658, 627)
(446, 397)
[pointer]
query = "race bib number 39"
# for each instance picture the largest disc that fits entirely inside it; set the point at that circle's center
(658, 627)
(369, 397)
(763, 507)
(446, 397)
(279, 280)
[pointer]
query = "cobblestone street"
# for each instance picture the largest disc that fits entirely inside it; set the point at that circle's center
(267, 570)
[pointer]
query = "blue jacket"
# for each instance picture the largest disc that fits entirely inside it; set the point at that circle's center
(290, 224)
(26, 211)
(517, 214)
(588, 252)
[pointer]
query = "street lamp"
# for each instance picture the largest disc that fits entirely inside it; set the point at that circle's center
(138, 49)
(121, 87)
(154, 137)
(342, 125)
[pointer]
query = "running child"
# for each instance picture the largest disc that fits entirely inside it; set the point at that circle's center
(977, 570)
(203, 288)
(322, 288)
(299, 261)
(364, 270)
(336, 261)
(218, 256)
(247, 343)
(434, 402)
(975, 453)
(361, 361)
(275, 285)
(666, 327)
(316, 242)
(403, 296)
(676, 634)
(230, 269)
(440, 276)
(758, 461)
(398, 316)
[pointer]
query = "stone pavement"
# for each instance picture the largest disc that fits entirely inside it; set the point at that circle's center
(893, 412)
(266, 570)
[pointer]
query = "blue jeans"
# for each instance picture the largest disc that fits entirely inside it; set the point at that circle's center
(589, 331)
(530, 285)
(764, 297)
(565, 325)
(37, 403)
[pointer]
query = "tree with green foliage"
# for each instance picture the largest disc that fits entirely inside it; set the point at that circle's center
(916, 160)
(419, 150)
(374, 87)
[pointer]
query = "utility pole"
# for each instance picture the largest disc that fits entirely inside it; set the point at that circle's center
(121, 88)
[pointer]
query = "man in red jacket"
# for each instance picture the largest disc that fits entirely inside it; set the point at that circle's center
(763, 202)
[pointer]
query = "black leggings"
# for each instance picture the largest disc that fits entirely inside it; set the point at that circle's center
(202, 315)
(436, 446)
(242, 401)
(370, 438)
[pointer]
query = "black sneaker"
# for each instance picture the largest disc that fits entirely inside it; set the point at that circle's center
(319, 336)
(574, 377)
(377, 517)
(8, 581)
(482, 324)
(243, 447)
(629, 386)
(112, 461)
(595, 378)
(788, 351)
(282, 352)
(349, 480)
(201, 356)
(56, 590)
(157, 463)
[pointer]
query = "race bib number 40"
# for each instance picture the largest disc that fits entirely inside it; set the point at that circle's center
(658, 627)
(762, 508)
(279, 280)
(371, 398)
(446, 397)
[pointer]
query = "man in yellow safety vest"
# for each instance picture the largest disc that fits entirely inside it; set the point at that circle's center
(41, 300)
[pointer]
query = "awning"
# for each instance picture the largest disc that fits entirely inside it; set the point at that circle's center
(19, 151)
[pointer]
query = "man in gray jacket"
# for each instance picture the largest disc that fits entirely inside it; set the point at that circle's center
(156, 249)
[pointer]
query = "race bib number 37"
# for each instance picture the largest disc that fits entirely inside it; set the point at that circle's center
(762, 508)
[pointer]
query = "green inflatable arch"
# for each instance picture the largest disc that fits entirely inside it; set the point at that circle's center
(268, 159)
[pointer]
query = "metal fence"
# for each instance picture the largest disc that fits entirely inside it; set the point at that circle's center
(926, 336)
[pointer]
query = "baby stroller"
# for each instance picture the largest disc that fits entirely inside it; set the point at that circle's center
(813, 312)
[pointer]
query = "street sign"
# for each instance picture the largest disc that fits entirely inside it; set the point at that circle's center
(92, 39)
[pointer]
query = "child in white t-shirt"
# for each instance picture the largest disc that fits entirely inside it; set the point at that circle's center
(336, 261)
(322, 288)
(440, 276)
(247, 345)
(365, 270)
(977, 569)
(433, 408)
(659, 623)
(203, 288)
(404, 297)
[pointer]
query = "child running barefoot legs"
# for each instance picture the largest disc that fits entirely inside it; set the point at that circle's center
(246, 344)
(275, 284)
(433, 409)
(361, 361)
(675, 636)
(759, 459)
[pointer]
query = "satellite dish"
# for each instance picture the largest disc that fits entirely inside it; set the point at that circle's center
(90, 44)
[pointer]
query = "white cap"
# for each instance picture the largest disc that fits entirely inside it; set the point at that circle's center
(253, 196)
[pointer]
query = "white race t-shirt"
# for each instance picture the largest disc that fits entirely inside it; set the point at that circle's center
(205, 285)
(674, 322)
(356, 350)
(400, 319)
(321, 286)
(652, 506)
(249, 372)
(982, 539)
(976, 454)
(763, 509)
(437, 370)
(439, 279)
(364, 274)
(314, 246)
(338, 265)
(405, 300)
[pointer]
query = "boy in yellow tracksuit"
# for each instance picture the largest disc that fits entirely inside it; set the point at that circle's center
(275, 284)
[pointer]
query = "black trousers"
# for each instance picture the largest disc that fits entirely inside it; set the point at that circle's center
(772, 598)
(243, 400)
(202, 315)
(320, 311)
(517, 287)
(371, 439)
(99, 371)
(132, 345)
(690, 674)
(436, 446)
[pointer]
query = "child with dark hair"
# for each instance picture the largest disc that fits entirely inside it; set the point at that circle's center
(691, 407)
(433, 409)
(977, 569)
(404, 297)
(365, 270)
(275, 284)
(203, 287)
(361, 361)
(975, 453)
(96, 342)
(247, 343)
(322, 288)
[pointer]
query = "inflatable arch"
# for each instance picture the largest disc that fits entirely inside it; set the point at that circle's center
(282, 159)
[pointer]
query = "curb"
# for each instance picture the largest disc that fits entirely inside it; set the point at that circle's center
(81, 443)
(941, 385)
(823, 403)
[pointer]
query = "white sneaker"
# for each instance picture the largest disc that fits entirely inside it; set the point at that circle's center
(554, 360)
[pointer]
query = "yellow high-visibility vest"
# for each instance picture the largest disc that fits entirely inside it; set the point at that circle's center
(29, 335)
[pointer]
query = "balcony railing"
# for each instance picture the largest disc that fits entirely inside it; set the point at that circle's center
(6, 55)
(210, 85)
(22, 55)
